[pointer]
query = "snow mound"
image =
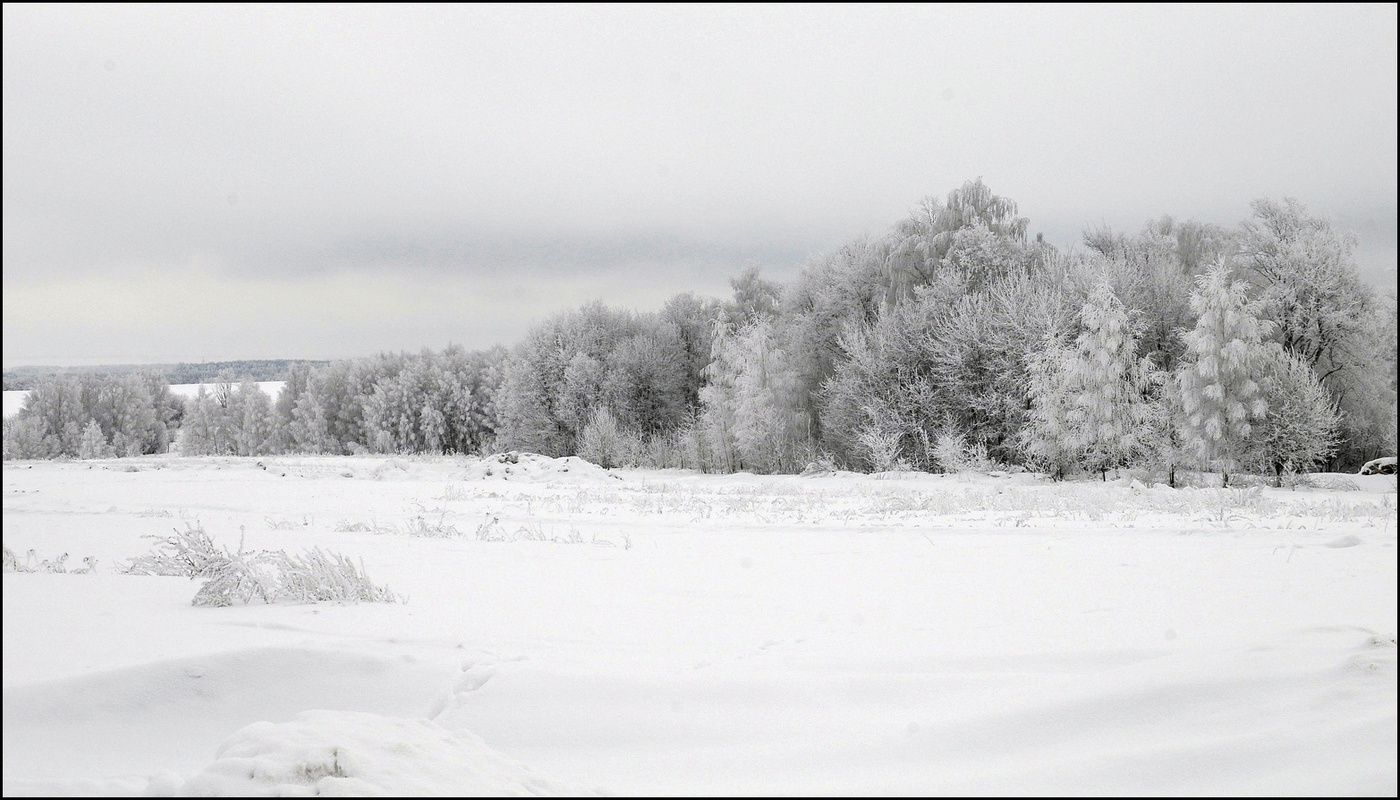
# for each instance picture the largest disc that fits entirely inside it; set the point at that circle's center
(359, 754)
(184, 707)
(535, 468)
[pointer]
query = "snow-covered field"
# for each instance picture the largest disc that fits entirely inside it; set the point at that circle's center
(635, 632)
(14, 401)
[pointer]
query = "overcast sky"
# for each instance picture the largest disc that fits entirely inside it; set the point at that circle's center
(197, 183)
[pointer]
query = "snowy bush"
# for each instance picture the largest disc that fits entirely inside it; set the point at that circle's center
(603, 442)
(881, 445)
(238, 576)
(317, 576)
(270, 576)
(433, 529)
(188, 554)
(954, 454)
(9, 562)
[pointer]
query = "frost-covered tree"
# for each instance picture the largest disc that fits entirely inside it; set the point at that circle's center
(945, 357)
(284, 407)
(875, 402)
(1304, 268)
(1301, 427)
(1111, 406)
(922, 243)
(529, 418)
(126, 408)
(1309, 286)
(1386, 325)
(1048, 435)
(541, 409)
(202, 431)
(472, 403)
(718, 399)
(640, 366)
(25, 439)
(126, 411)
(1218, 377)
(980, 256)
(93, 443)
(646, 382)
(62, 410)
(1092, 403)
(253, 435)
(693, 318)
(1150, 278)
(229, 420)
(770, 432)
(838, 292)
(751, 413)
(581, 392)
(309, 429)
(754, 298)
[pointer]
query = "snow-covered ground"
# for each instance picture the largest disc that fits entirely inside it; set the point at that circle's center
(14, 399)
(644, 632)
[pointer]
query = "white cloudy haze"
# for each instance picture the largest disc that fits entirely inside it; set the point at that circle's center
(196, 183)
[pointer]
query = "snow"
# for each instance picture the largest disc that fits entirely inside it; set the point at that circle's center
(14, 401)
(355, 753)
(663, 632)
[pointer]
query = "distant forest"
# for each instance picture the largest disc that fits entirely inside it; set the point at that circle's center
(953, 341)
(276, 369)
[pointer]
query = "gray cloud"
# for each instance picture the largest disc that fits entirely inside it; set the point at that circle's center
(673, 146)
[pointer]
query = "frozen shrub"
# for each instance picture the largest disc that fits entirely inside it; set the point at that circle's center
(317, 576)
(603, 442)
(956, 455)
(270, 576)
(881, 446)
(238, 576)
(188, 554)
(32, 563)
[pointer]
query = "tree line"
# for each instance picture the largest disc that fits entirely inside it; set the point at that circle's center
(24, 378)
(952, 340)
